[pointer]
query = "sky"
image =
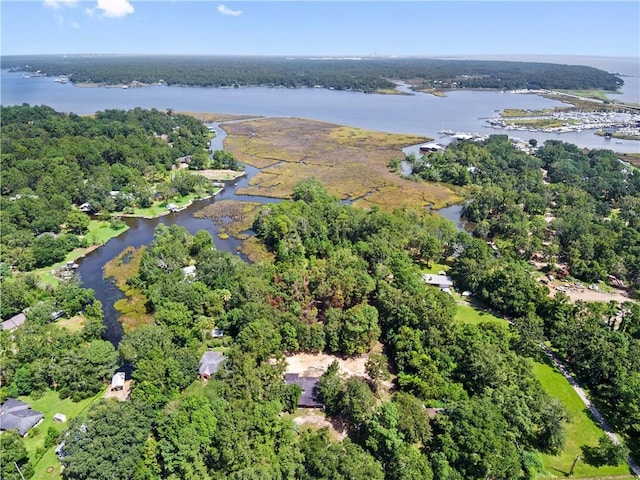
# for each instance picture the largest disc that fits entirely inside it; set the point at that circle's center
(321, 28)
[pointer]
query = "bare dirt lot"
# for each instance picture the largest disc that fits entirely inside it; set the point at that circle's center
(310, 364)
(586, 295)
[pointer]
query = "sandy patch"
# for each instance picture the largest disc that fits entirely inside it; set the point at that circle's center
(219, 174)
(311, 364)
(586, 295)
(315, 418)
(120, 395)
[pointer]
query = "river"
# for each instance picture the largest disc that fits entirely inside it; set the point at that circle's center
(419, 114)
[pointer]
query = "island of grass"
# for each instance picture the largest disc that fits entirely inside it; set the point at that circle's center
(351, 162)
(132, 308)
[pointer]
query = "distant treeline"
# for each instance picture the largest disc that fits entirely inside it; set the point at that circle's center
(366, 74)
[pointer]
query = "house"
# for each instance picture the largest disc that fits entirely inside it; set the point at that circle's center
(117, 382)
(186, 160)
(60, 418)
(309, 386)
(431, 147)
(441, 281)
(209, 364)
(17, 415)
(14, 322)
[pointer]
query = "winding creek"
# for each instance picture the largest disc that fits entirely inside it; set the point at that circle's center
(419, 114)
(141, 232)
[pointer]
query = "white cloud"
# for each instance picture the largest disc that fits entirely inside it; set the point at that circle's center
(115, 8)
(227, 11)
(55, 4)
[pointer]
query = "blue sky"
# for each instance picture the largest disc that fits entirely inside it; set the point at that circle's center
(410, 28)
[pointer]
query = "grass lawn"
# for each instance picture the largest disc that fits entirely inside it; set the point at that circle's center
(436, 267)
(581, 430)
(50, 404)
(100, 232)
(159, 208)
(469, 314)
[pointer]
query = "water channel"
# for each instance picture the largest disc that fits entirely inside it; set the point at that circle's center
(419, 114)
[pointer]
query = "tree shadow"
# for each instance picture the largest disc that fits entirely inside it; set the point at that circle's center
(564, 474)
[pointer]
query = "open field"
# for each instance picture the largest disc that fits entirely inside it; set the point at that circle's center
(217, 117)
(72, 325)
(466, 313)
(581, 429)
(48, 467)
(632, 158)
(133, 312)
(351, 162)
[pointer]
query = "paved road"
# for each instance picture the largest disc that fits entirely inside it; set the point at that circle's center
(594, 411)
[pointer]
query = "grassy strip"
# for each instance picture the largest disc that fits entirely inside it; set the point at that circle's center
(47, 467)
(160, 208)
(581, 429)
(620, 135)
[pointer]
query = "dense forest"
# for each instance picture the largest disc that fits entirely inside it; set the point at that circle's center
(52, 163)
(574, 209)
(342, 279)
(366, 74)
(441, 398)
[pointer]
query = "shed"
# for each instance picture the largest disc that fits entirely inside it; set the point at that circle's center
(60, 418)
(14, 322)
(117, 382)
(209, 364)
(309, 386)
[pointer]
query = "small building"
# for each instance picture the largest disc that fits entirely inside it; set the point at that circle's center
(431, 147)
(86, 208)
(117, 382)
(217, 333)
(14, 322)
(309, 386)
(60, 418)
(186, 160)
(172, 207)
(440, 281)
(17, 415)
(189, 271)
(209, 364)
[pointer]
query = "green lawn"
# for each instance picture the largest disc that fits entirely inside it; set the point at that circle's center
(100, 232)
(581, 430)
(436, 267)
(468, 314)
(50, 404)
(160, 208)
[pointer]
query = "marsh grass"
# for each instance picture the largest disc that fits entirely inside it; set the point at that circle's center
(350, 162)
(132, 308)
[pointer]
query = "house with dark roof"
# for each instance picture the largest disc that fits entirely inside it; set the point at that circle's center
(309, 386)
(209, 364)
(17, 415)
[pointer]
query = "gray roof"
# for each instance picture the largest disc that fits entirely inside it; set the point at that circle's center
(210, 362)
(443, 281)
(14, 322)
(308, 385)
(15, 414)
